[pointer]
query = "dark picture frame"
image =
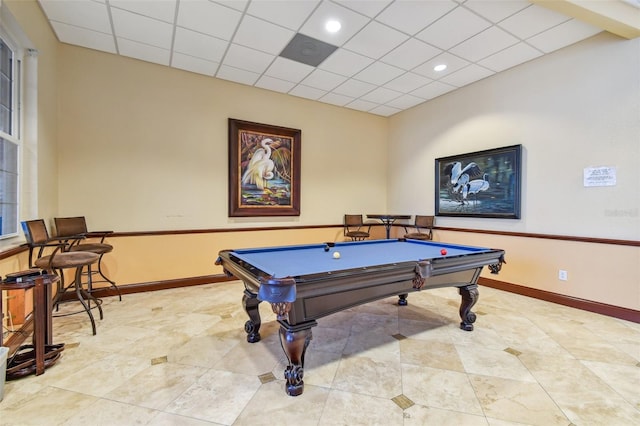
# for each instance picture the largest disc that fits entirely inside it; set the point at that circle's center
(480, 184)
(264, 169)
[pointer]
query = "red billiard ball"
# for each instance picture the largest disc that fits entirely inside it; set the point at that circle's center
(443, 252)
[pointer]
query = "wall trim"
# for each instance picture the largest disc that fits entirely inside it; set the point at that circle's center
(561, 299)
(633, 243)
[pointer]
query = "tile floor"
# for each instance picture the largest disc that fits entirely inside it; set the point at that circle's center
(180, 357)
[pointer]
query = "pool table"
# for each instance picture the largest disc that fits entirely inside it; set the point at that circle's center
(306, 282)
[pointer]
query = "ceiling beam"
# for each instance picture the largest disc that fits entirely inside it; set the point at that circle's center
(620, 17)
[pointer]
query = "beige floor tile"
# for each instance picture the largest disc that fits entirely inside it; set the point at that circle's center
(344, 408)
(437, 388)
(50, 406)
(435, 354)
(109, 413)
(157, 385)
(624, 379)
(495, 363)
(516, 401)
(369, 377)
(217, 396)
(419, 415)
(270, 406)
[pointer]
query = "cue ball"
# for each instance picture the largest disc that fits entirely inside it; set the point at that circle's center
(443, 252)
(336, 255)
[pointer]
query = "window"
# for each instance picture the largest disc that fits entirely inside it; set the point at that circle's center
(9, 137)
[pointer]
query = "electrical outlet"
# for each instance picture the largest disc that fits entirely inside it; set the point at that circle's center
(562, 275)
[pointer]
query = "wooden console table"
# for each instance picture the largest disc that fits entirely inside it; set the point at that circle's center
(35, 358)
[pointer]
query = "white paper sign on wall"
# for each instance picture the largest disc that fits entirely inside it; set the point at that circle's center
(599, 176)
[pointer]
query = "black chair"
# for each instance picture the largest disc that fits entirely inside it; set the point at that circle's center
(353, 227)
(422, 228)
(74, 230)
(52, 255)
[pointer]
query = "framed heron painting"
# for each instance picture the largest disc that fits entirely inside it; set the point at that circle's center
(264, 169)
(480, 184)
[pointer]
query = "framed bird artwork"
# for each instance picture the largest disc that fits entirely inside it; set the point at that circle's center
(480, 184)
(264, 169)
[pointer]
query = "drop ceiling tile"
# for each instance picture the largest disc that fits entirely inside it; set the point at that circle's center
(336, 99)
(193, 64)
(486, 43)
(345, 63)
(199, 45)
(466, 23)
(368, 8)
(247, 59)
(164, 10)
(234, 4)
(361, 105)
(452, 62)
(307, 92)
(286, 69)
(410, 54)
(142, 29)
(510, 57)
(412, 16)
(286, 13)
(407, 82)
(142, 51)
(274, 84)
(354, 88)
(467, 75)
(532, 20)
(563, 35)
(351, 22)
(208, 18)
(381, 95)
(433, 90)
(89, 15)
(379, 73)
(384, 110)
(323, 80)
(86, 38)
(405, 101)
(262, 35)
(375, 40)
(496, 10)
(237, 75)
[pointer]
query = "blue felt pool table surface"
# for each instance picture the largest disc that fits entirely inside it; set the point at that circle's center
(300, 260)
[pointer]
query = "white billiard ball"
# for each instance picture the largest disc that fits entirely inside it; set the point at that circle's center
(336, 255)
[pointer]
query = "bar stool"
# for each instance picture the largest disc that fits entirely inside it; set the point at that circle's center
(73, 230)
(38, 237)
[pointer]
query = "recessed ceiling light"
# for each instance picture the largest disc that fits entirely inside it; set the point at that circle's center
(440, 67)
(333, 26)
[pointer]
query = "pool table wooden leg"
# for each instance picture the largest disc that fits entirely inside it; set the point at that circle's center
(295, 340)
(402, 299)
(250, 304)
(470, 296)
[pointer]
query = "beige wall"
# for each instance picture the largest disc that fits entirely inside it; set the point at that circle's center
(576, 108)
(144, 147)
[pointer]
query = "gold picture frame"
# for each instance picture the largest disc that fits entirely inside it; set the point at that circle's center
(264, 169)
